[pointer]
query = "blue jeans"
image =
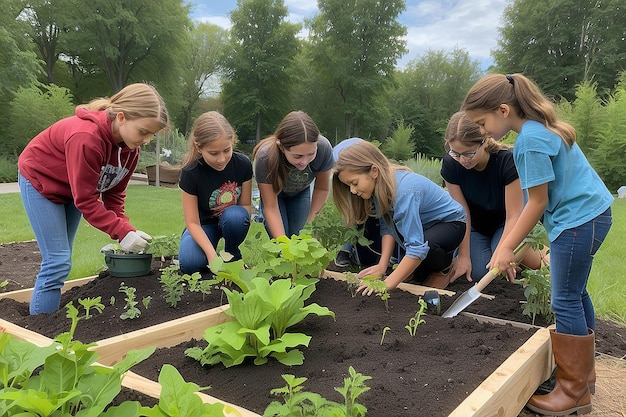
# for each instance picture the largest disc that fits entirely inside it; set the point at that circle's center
(481, 251)
(233, 227)
(55, 226)
(571, 256)
(294, 211)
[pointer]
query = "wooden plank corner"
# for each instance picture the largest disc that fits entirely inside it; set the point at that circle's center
(505, 392)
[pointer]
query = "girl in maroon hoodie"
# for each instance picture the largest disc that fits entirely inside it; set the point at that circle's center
(80, 166)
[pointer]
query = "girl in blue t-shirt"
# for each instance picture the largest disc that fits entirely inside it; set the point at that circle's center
(216, 192)
(576, 209)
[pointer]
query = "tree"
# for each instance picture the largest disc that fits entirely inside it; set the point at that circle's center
(263, 47)
(34, 109)
(561, 43)
(207, 47)
(585, 115)
(430, 90)
(355, 47)
(129, 41)
(399, 145)
(48, 20)
(19, 66)
(608, 159)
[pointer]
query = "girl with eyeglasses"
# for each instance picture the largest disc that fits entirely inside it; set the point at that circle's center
(480, 174)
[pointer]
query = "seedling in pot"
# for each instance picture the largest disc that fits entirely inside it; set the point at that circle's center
(164, 246)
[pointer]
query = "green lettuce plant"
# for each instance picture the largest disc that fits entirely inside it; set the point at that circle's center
(297, 258)
(61, 379)
(258, 329)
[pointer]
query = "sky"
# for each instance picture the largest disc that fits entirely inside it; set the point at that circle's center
(471, 25)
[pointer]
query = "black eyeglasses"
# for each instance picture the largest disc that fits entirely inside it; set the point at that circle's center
(465, 155)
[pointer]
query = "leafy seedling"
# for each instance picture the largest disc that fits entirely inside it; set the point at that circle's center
(353, 281)
(89, 303)
(130, 309)
(378, 286)
(298, 402)
(416, 320)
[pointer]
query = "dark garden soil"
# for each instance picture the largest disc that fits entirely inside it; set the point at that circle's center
(425, 375)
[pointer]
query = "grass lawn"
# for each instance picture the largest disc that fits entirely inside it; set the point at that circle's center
(158, 211)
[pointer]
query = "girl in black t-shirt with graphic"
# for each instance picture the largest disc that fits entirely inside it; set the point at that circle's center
(216, 192)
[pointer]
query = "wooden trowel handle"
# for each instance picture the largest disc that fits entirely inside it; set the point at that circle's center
(491, 274)
(486, 279)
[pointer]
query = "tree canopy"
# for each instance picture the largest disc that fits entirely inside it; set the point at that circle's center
(561, 43)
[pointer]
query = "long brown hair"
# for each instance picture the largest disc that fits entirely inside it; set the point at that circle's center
(359, 158)
(523, 96)
(296, 127)
(462, 129)
(208, 127)
(136, 101)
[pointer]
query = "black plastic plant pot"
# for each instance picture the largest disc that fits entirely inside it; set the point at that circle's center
(124, 265)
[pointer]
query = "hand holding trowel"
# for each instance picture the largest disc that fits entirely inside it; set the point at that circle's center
(469, 296)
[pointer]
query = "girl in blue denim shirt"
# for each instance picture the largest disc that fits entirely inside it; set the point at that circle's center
(576, 209)
(417, 214)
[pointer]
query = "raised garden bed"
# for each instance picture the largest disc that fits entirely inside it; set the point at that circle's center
(501, 393)
(435, 374)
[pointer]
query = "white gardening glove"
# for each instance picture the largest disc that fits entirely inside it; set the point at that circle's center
(144, 236)
(134, 241)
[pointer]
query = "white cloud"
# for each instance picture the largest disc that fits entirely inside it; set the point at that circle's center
(444, 25)
(431, 24)
(220, 21)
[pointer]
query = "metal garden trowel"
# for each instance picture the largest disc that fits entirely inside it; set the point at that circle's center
(469, 296)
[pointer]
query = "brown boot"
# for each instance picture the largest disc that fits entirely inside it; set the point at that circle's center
(574, 357)
(548, 385)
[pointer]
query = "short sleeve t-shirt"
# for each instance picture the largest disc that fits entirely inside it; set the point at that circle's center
(297, 180)
(215, 190)
(576, 194)
(483, 190)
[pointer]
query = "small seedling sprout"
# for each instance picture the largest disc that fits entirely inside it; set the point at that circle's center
(416, 320)
(130, 309)
(385, 330)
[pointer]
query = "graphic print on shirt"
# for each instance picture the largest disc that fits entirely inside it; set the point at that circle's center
(223, 197)
(110, 176)
(297, 180)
